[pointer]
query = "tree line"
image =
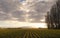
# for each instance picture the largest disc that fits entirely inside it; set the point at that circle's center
(53, 16)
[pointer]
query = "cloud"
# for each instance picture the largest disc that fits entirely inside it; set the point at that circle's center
(14, 13)
(38, 9)
(7, 7)
(17, 10)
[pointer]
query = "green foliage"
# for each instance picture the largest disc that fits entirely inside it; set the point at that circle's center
(29, 33)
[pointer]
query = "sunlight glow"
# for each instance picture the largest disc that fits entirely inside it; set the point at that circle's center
(16, 24)
(24, 3)
(42, 20)
(24, 9)
(31, 19)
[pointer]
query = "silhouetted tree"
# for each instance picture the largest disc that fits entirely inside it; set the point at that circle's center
(48, 20)
(53, 17)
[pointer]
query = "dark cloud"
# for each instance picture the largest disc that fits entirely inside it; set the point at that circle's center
(19, 15)
(8, 5)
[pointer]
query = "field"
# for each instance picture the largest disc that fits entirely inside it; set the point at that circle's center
(29, 33)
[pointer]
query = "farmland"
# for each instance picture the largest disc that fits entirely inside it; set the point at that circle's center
(29, 33)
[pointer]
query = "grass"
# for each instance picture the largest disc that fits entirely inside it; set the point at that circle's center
(29, 33)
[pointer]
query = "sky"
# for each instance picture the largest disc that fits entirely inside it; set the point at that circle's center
(18, 13)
